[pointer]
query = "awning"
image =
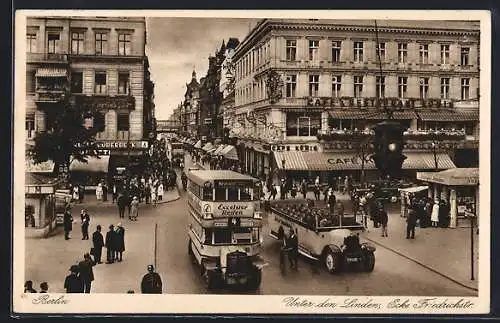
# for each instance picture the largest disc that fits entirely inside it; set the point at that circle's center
(449, 116)
(219, 149)
(372, 115)
(93, 165)
(414, 189)
(338, 161)
(43, 167)
(230, 152)
(208, 146)
(51, 72)
(452, 177)
(198, 144)
(416, 160)
(294, 160)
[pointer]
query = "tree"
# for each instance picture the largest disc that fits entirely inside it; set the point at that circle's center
(67, 137)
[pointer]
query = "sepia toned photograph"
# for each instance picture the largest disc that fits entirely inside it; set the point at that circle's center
(251, 162)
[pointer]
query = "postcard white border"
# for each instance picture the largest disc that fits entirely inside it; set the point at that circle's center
(231, 304)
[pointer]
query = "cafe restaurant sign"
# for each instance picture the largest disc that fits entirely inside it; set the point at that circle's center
(233, 210)
(347, 160)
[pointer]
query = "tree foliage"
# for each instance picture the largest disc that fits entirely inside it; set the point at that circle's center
(67, 138)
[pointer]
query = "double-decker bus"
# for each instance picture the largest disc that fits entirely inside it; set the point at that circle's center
(224, 227)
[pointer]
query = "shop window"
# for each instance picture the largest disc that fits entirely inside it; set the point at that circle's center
(123, 83)
(100, 83)
(77, 82)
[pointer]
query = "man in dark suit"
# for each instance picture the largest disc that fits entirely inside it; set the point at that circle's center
(122, 204)
(67, 222)
(151, 282)
(85, 224)
(73, 282)
(110, 242)
(98, 241)
(293, 245)
(411, 222)
(86, 273)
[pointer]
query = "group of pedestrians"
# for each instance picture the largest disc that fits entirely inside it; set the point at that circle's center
(81, 276)
(28, 287)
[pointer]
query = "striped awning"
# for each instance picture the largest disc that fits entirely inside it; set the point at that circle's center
(230, 152)
(372, 115)
(93, 165)
(208, 146)
(219, 149)
(337, 161)
(294, 160)
(51, 72)
(456, 176)
(449, 116)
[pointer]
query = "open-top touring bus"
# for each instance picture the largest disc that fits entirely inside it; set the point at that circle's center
(225, 227)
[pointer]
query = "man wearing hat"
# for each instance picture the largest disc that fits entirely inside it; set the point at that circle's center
(120, 242)
(151, 282)
(110, 245)
(85, 224)
(98, 242)
(86, 272)
(73, 282)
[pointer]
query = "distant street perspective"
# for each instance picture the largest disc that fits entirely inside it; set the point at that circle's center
(312, 157)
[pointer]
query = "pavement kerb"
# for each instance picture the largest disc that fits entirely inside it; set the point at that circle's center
(172, 199)
(422, 264)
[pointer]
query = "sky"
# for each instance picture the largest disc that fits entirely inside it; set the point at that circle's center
(177, 45)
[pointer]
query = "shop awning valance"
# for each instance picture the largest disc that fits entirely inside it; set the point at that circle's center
(452, 177)
(93, 165)
(230, 152)
(219, 149)
(372, 115)
(449, 116)
(198, 144)
(208, 146)
(338, 161)
(51, 72)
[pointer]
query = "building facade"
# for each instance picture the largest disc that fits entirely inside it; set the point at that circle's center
(190, 107)
(96, 62)
(306, 90)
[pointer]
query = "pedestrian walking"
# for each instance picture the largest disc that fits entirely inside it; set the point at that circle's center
(81, 192)
(383, 219)
(76, 193)
(122, 204)
(153, 195)
(147, 193)
(411, 222)
(104, 192)
(73, 283)
(293, 254)
(86, 272)
(114, 193)
(134, 209)
(44, 288)
(120, 242)
(151, 282)
(317, 191)
(85, 224)
(98, 192)
(109, 244)
(184, 180)
(98, 243)
(283, 189)
(303, 188)
(160, 192)
(316, 181)
(28, 287)
(435, 214)
(67, 222)
(274, 192)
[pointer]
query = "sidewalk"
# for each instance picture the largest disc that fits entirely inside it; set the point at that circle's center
(445, 251)
(91, 199)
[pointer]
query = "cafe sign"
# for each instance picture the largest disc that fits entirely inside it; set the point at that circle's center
(233, 210)
(117, 144)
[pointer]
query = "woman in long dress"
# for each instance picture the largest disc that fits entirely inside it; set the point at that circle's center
(435, 214)
(98, 192)
(134, 209)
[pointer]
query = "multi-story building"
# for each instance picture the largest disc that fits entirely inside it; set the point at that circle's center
(94, 62)
(305, 89)
(226, 84)
(190, 114)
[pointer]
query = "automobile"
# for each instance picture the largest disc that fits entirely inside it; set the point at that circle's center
(334, 243)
